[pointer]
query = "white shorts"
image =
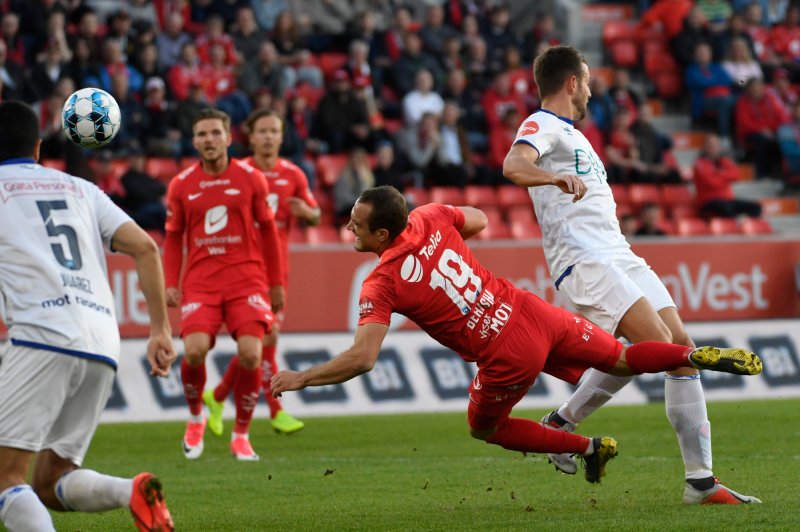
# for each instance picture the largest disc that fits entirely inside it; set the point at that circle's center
(603, 288)
(51, 401)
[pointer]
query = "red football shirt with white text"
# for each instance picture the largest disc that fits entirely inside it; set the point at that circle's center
(218, 215)
(430, 275)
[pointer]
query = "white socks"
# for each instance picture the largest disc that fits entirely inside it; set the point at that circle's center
(22, 511)
(594, 390)
(686, 411)
(84, 490)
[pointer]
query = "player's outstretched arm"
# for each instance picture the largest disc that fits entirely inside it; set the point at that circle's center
(301, 209)
(475, 221)
(520, 168)
(359, 358)
(132, 240)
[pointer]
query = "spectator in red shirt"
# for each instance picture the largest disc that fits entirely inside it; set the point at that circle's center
(758, 116)
(757, 31)
(668, 14)
(785, 37)
(185, 72)
(215, 34)
(713, 175)
(498, 99)
(503, 137)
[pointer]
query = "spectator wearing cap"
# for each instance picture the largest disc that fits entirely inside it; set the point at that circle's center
(247, 38)
(759, 114)
(713, 175)
(412, 60)
(710, 88)
(163, 138)
(422, 99)
(343, 119)
(266, 71)
(171, 41)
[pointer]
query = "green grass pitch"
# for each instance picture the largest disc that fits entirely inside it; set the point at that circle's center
(423, 472)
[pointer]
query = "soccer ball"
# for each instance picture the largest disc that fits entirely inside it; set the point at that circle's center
(91, 118)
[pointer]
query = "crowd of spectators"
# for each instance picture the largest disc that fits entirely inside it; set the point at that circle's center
(416, 94)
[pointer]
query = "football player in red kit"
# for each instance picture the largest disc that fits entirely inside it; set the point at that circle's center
(220, 206)
(289, 198)
(427, 273)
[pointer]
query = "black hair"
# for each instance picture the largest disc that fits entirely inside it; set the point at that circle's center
(389, 210)
(19, 130)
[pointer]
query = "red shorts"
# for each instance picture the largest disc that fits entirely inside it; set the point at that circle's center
(244, 312)
(545, 338)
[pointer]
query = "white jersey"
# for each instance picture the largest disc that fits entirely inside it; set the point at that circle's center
(53, 276)
(570, 231)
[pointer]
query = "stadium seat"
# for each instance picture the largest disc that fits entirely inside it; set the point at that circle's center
(392, 125)
(662, 61)
(616, 30)
(186, 162)
(311, 94)
(322, 234)
(691, 227)
(623, 209)
(521, 230)
(668, 226)
(779, 206)
(724, 226)
(512, 196)
(756, 226)
(57, 164)
(297, 235)
(163, 168)
(330, 62)
(678, 212)
(447, 195)
(641, 193)
(346, 236)
(688, 140)
(497, 228)
(620, 193)
(624, 53)
(669, 84)
(329, 167)
(672, 195)
(521, 214)
(480, 196)
(416, 197)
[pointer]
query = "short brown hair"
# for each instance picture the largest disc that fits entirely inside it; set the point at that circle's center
(389, 209)
(555, 66)
(211, 114)
(257, 115)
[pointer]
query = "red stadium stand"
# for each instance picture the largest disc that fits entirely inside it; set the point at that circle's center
(330, 62)
(186, 162)
(162, 168)
(56, 164)
(620, 193)
(512, 196)
(668, 226)
(447, 195)
(417, 196)
(521, 214)
(392, 125)
(322, 234)
(623, 209)
(497, 228)
(624, 54)
(756, 226)
(346, 236)
(660, 61)
(522, 230)
(480, 196)
(669, 84)
(679, 212)
(672, 195)
(297, 235)
(724, 226)
(311, 94)
(641, 193)
(329, 167)
(618, 30)
(692, 227)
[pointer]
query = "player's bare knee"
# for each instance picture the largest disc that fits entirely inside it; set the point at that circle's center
(249, 359)
(482, 434)
(195, 355)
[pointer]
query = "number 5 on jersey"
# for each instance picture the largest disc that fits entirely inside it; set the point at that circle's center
(56, 230)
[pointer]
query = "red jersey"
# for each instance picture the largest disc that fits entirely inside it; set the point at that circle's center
(286, 180)
(218, 215)
(430, 275)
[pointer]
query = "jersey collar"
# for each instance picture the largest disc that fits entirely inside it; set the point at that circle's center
(18, 160)
(564, 118)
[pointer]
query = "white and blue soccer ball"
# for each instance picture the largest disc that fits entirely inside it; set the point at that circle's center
(91, 118)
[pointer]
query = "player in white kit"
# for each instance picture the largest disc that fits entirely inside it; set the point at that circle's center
(58, 371)
(593, 265)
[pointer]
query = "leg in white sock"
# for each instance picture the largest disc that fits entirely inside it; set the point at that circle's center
(594, 390)
(84, 490)
(22, 511)
(686, 411)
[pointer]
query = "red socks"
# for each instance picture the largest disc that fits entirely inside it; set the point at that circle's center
(524, 435)
(245, 393)
(226, 384)
(194, 380)
(268, 368)
(654, 357)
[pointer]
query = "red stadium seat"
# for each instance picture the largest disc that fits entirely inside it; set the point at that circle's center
(447, 195)
(678, 212)
(330, 62)
(346, 235)
(724, 226)
(623, 209)
(186, 162)
(416, 197)
(668, 226)
(620, 193)
(297, 235)
(692, 227)
(641, 193)
(480, 196)
(311, 94)
(56, 164)
(512, 196)
(615, 30)
(521, 214)
(521, 230)
(624, 53)
(162, 168)
(672, 195)
(329, 167)
(322, 234)
(756, 226)
(669, 84)
(662, 61)
(496, 228)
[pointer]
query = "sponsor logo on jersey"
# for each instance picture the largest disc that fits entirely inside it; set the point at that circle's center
(411, 270)
(188, 308)
(215, 183)
(281, 182)
(528, 128)
(14, 187)
(194, 196)
(364, 308)
(433, 240)
(216, 219)
(232, 191)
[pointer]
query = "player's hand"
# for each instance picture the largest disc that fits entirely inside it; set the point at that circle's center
(277, 298)
(286, 381)
(173, 297)
(161, 353)
(298, 207)
(571, 184)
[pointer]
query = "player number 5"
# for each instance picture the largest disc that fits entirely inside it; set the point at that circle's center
(57, 230)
